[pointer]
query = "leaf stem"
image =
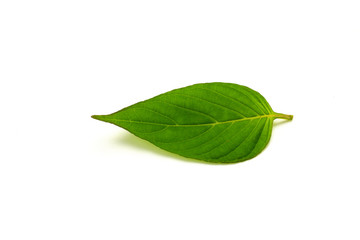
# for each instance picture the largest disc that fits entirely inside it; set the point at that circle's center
(283, 116)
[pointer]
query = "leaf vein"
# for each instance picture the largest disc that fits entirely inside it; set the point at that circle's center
(223, 142)
(152, 110)
(189, 109)
(188, 139)
(216, 104)
(206, 142)
(194, 125)
(266, 124)
(247, 137)
(157, 131)
(231, 98)
(251, 98)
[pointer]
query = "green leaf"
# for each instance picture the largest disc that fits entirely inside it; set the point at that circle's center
(213, 122)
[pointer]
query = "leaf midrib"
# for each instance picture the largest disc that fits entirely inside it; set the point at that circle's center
(195, 125)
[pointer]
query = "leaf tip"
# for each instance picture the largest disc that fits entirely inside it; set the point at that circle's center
(98, 117)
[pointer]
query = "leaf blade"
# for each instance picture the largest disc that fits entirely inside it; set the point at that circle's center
(214, 122)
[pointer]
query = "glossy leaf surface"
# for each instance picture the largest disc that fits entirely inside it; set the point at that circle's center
(214, 122)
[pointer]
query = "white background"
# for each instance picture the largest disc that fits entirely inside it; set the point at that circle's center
(64, 175)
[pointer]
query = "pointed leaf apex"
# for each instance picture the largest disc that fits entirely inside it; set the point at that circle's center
(99, 117)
